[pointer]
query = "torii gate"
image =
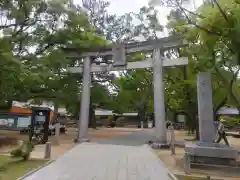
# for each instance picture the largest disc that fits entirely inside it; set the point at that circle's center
(118, 53)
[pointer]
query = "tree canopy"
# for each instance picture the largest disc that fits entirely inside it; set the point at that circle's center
(34, 65)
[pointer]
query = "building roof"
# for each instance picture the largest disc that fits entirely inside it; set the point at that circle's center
(228, 111)
(63, 111)
(103, 112)
(106, 112)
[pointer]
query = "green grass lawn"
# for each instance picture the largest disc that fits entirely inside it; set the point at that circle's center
(11, 170)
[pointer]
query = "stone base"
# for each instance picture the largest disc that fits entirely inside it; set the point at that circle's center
(214, 150)
(210, 154)
(160, 145)
(81, 140)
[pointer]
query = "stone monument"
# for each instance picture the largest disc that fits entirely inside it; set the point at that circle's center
(205, 108)
(206, 152)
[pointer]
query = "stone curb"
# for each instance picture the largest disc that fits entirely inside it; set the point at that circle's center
(35, 170)
(180, 144)
(198, 176)
(174, 174)
(173, 177)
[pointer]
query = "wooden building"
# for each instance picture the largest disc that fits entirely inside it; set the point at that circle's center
(16, 118)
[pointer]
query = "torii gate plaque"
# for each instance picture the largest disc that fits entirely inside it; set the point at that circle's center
(118, 53)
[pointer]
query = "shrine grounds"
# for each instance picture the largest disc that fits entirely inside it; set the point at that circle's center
(175, 162)
(11, 170)
(66, 142)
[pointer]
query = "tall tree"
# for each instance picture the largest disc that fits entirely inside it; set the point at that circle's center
(207, 51)
(34, 33)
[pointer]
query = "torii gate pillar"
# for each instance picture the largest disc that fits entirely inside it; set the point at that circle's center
(159, 103)
(85, 102)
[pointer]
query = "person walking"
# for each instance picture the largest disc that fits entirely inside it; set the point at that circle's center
(168, 124)
(221, 133)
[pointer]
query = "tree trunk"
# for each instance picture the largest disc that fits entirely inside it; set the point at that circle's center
(55, 112)
(90, 113)
(92, 120)
(195, 119)
(189, 104)
(197, 136)
(138, 121)
(142, 114)
(221, 104)
(153, 120)
(145, 120)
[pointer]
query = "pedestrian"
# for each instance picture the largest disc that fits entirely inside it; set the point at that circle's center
(168, 123)
(221, 133)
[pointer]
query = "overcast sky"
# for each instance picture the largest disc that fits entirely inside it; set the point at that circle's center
(121, 7)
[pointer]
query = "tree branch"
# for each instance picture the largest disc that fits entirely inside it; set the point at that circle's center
(221, 11)
(221, 104)
(195, 14)
(198, 26)
(230, 84)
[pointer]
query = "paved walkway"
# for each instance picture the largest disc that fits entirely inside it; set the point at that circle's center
(115, 159)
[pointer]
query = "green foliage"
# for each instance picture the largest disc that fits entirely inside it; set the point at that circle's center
(211, 48)
(135, 90)
(24, 151)
(15, 168)
(120, 121)
(110, 118)
(231, 122)
(33, 64)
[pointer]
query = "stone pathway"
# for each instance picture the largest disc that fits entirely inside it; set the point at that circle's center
(120, 158)
(134, 139)
(91, 161)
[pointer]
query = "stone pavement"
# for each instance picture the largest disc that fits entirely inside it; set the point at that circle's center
(134, 139)
(114, 159)
(91, 161)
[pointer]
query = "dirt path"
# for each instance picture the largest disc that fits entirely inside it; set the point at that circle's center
(175, 163)
(66, 141)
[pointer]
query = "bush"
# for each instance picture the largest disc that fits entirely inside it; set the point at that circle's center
(230, 122)
(110, 118)
(120, 121)
(3, 167)
(23, 151)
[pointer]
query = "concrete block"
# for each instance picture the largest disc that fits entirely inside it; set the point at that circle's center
(211, 150)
